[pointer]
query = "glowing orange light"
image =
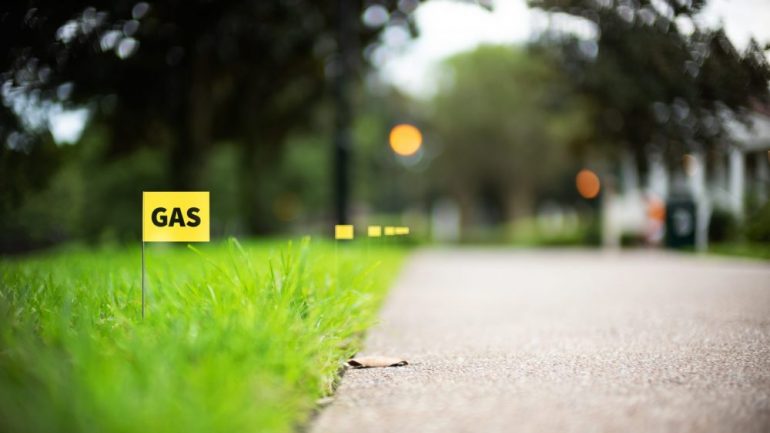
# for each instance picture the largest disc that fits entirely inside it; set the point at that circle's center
(587, 183)
(405, 139)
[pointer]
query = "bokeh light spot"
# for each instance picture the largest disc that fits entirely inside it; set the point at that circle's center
(375, 16)
(690, 165)
(405, 139)
(587, 183)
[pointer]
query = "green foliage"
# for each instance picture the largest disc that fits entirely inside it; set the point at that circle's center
(302, 179)
(245, 71)
(506, 119)
(758, 225)
(742, 249)
(97, 197)
(723, 227)
(114, 194)
(371, 169)
(220, 178)
(749, 239)
(653, 86)
(527, 232)
(293, 188)
(386, 182)
(89, 195)
(179, 78)
(235, 338)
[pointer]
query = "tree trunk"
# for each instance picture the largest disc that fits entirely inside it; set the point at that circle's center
(519, 203)
(466, 205)
(345, 66)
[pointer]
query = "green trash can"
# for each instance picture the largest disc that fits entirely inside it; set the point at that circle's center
(680, 222)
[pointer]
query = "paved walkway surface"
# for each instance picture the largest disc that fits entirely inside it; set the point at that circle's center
(573, 341)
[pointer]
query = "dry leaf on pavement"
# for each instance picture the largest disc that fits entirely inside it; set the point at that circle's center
(376, 361)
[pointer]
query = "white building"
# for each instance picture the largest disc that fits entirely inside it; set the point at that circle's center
(723, 181)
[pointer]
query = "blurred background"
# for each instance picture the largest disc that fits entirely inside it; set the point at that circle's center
(540, 122)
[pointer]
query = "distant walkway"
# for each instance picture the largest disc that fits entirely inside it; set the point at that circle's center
(566, 342)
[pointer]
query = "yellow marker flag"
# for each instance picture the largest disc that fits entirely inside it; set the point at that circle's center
(175, 216)
(344, 231)
(374, 231)
(402, 230)
(390, 231)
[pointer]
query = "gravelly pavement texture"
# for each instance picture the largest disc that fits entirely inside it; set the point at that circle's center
(571, 341)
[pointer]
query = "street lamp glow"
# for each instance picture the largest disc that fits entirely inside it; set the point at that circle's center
(405, 139)
(587, 183)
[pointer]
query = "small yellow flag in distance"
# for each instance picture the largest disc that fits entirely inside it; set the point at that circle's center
(374, 231)
(343, 231)
(402, 230)
(390, 231)
(175, 216)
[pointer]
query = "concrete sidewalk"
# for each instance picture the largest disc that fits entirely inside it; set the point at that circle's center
(575, 341)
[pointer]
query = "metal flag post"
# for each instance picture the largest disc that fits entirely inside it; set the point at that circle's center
(142, 280)
(143, 255)
(341, 232)
(173, 216)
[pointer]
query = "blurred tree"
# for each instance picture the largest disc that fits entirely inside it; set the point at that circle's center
(179, 75)
(657, 81)
(388, 183)
(506, 119)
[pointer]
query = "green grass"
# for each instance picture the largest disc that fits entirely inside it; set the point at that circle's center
(741, 249)
(236, 338)
(527, 233)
